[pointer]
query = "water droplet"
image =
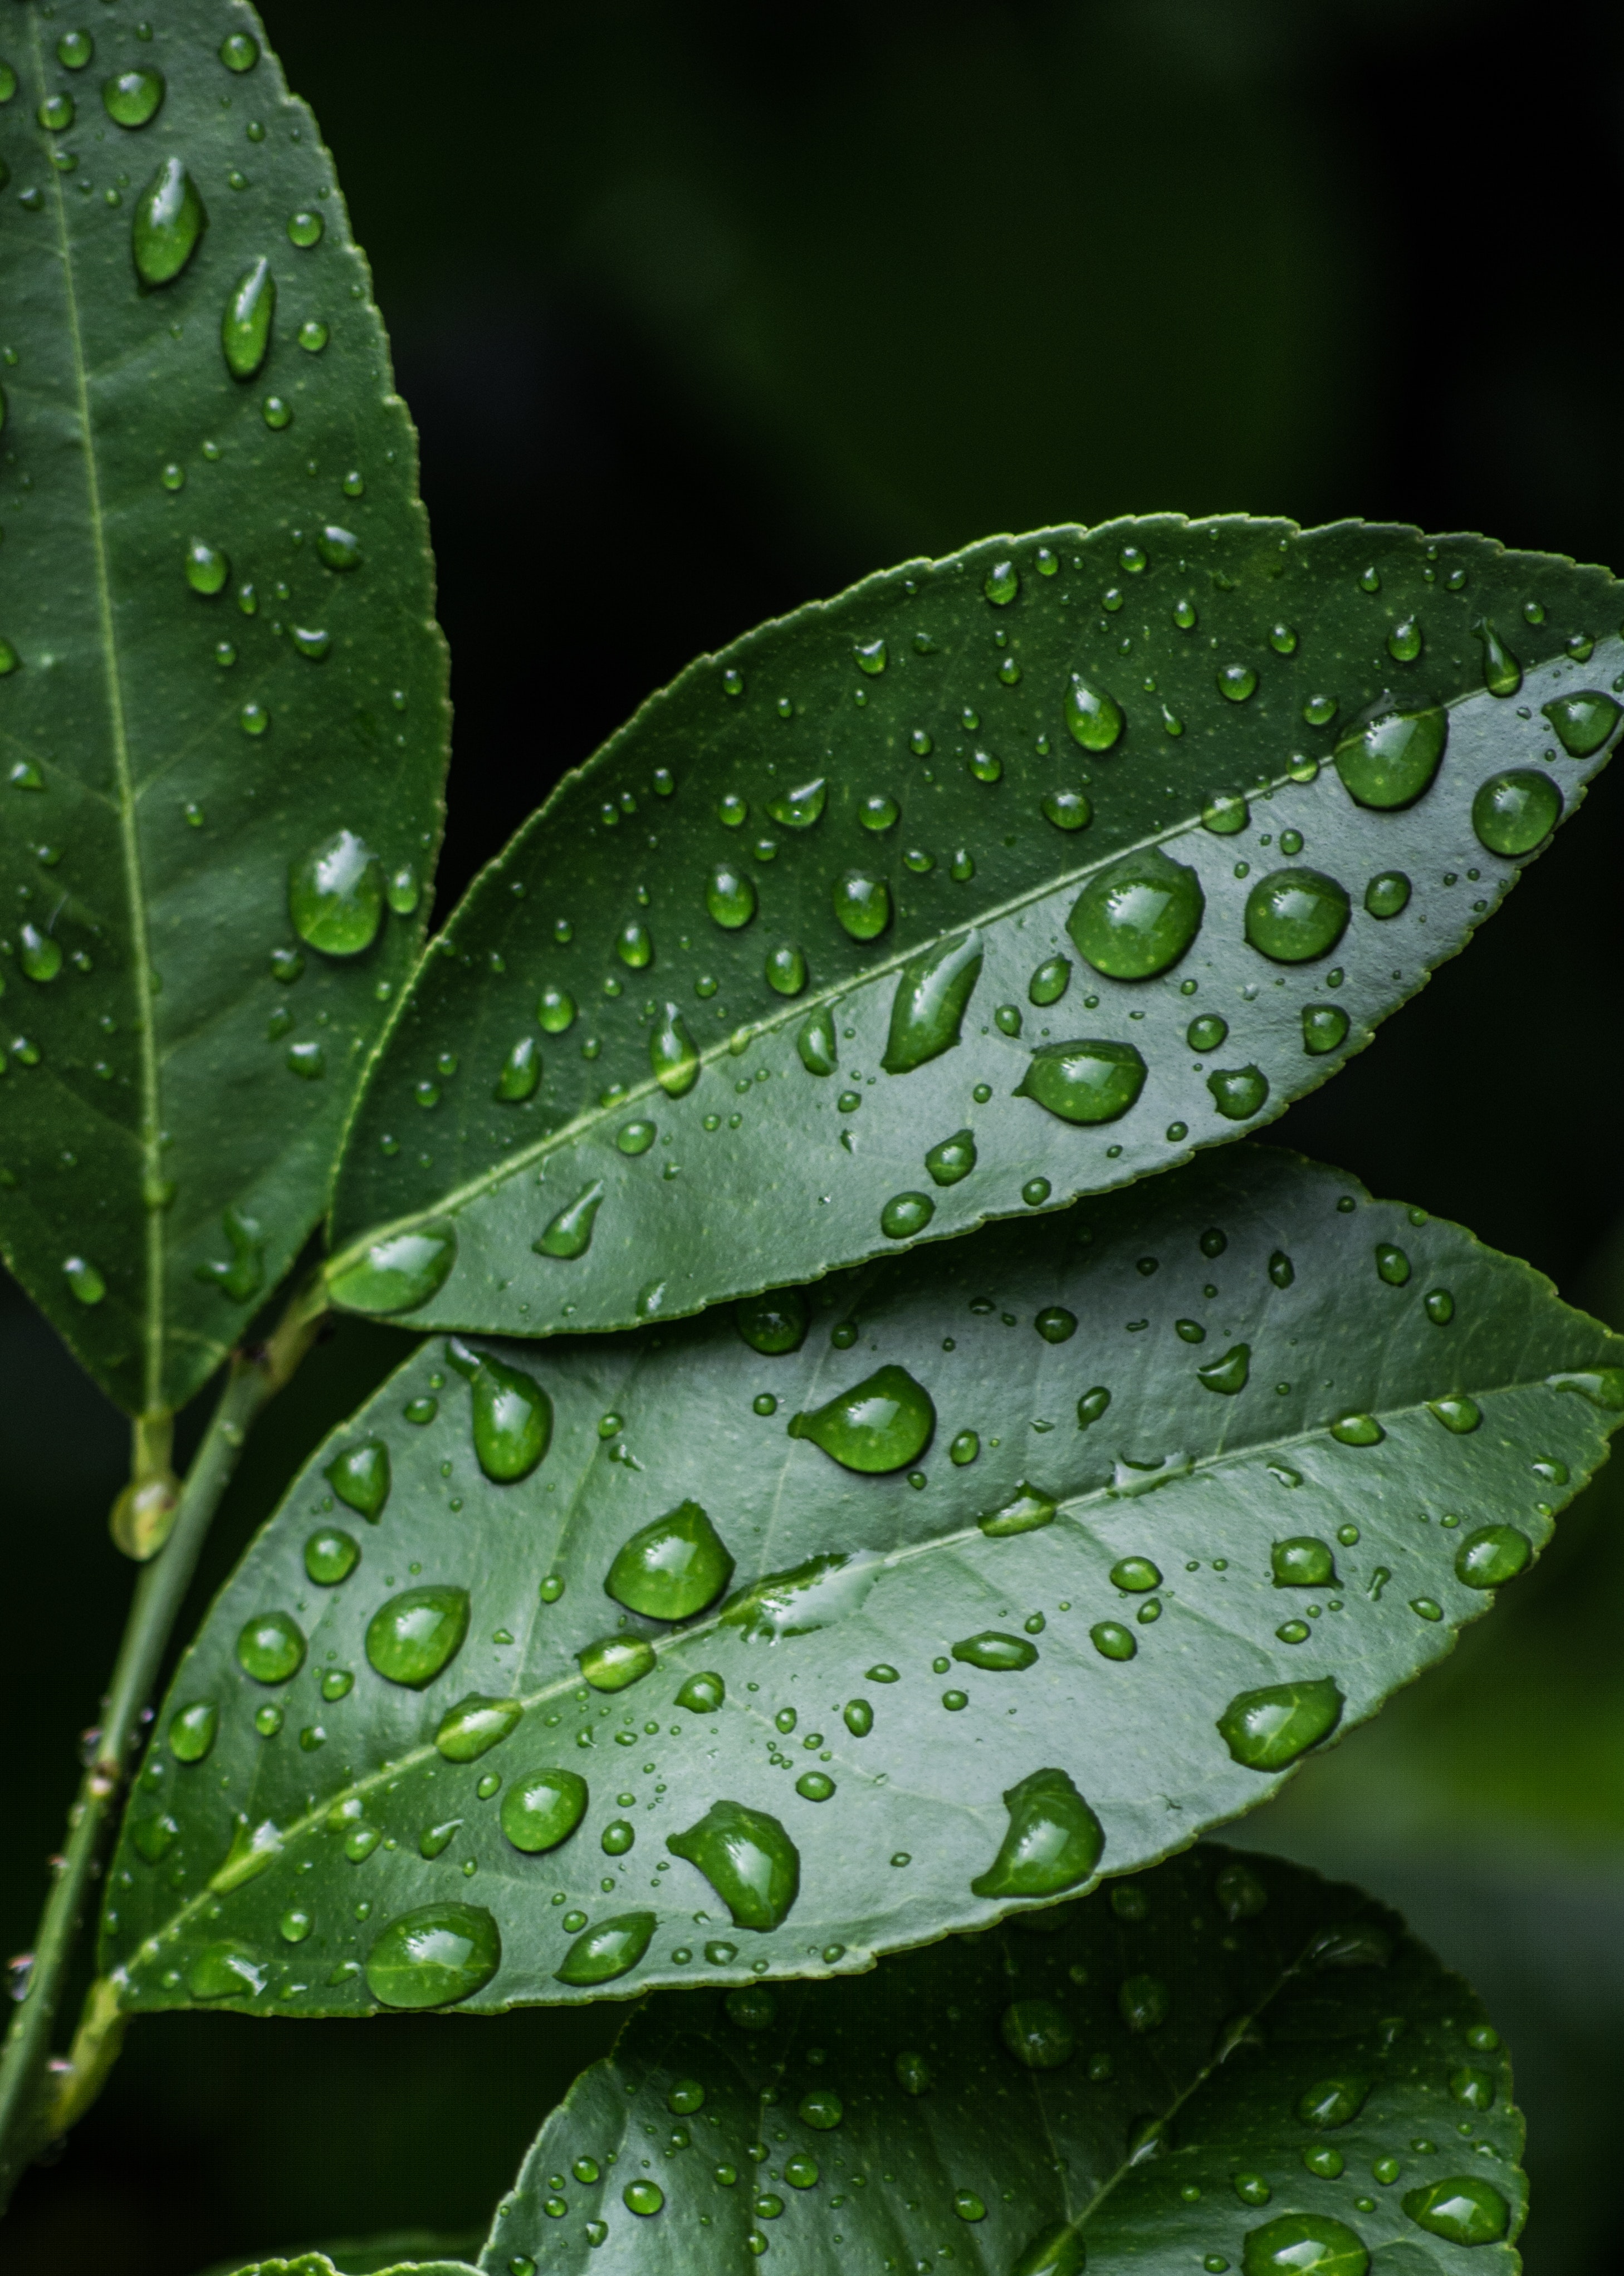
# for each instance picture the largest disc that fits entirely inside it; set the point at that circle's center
(644, 2198)
(512, 1416)
(569, 1233)
(816, 1044)
(1302, 1562)
(520, 1072)
(811, 1596)
(271, 1648)
(193, 1731)
(245, 327)
(702, 1693)
(1226, 813)
(994, 1651)
(476, 1724)
(673, 1055)
(1456, 1413)
(1093, 716)
(339, 549)
(1358, 1430)
(331, 1556)
(1331, 2102)
(614, 1663)
(952, 1158)
(168, 222)
(881, 1424)
(1404, 641)
(1603, 1386)
(305, 230)
(335, 895)
(1388, 757)
(541, 1808)
(240, 51)
(671, 1568)
(1229, 1374)
(1066, 809)
(1463, 2210)
(1582, 722)
(396, 1273)
(1304, 2244)
(1139, 916)
(133, 98)
(786, 969)
(878, 812)
(773, 1323)
(433, 1957)
(1265, 1730)
(1515, 812)
(1001, 583)
(1142, 2002)
(748, 1860)
(862, 906)
(1325, 1029)
(905, 1215)
(1473, 2087)
(1492, 1556)
(312, 338)
(1239, 1093)
(1035, 2031)
(39, 954)
(1294, 916)
(729, 897)
(1502, 674)
(412, 1637)
(799, 808)
(1237, 681)
(225, 1971)
(1085, 1081)
(933, 994)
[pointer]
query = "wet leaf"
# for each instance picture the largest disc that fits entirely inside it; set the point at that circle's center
(218, 664)
(893, 2117)
(845, 1746)
(1088, 848)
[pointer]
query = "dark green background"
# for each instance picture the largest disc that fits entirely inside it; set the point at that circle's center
(703, 309)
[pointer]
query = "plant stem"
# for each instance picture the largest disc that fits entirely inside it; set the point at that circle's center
(32, 2111)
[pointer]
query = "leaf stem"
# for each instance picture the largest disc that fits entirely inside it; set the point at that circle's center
(35, 2109)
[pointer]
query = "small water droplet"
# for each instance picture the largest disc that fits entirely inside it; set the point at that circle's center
(862, 906)
(1502, 674)
(245, 327)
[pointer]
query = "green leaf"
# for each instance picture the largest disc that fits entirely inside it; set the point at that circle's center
(897, 1699)
(807, 961)
(364, 2260)
(1232, 2058)
(217, 654)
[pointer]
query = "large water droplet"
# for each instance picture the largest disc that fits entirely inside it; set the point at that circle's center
(611, 1948)
(1304, 2244)
(207, 568)
(1603, 1386)
(906, 1214)
(555, 1011)
(512, 1420)
(703, 1694)
(786, 969)
(748, 1860)
(673, 1568)
(476, 1724)
(1331, 2102)
(1492, 1556)
(569, 1234)
(413, 1636)
(952, 1158)
(808, 1596)
(729, 897)
(331, 1556)
(1325, 1029)
(1582, 722)
(245, 327)
(1229, 1374)
(133, 98)
(1265, 1730)
(933, 994)
(335, 895)
(39, 953)
(1515, 812)
(168, 222)
(1049, 981)
(520, 1072)
(1027, 1509)
(614, 1663)
(673, 1055)
(816, 1044)
(396, 1273)
(862, 905)
(883, 1424)
(1037, 2032)
(1463, 2209)
(998, 1653)
(1094, 717)
(1139, 916)
(433, 1957)
(799, 808)
(1303, 1562)
(1088, 1080)
(774, 1324)
(360, 1478)
(1502, 674)
(541, 1808)
(1388, 756)
(1294, 916)
(193, 1731)
(1053, 1841)
(339, 548)
(271, 1648)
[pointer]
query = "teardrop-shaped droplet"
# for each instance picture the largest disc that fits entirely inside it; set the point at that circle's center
(512, 1421)
(397, 1272)
(521, 1070)
(133, 98)
(1089, 1080)
(1456, 1413)
(1094, 717)
(609, 1949)
(555, 1012)
(207, 568)
(167, 222)
(541, 1808)
(748, 1860)
(817, 1043)
(360, 1478)
(1265, 1730)
(673, 1568)
(1229, 1374)
(933, 994)
(1304, 2244)
(1139, 916)
(673, 1055)
(569, 1234)
(1404, 641)
(799, 808)
(434, 1956)
(1464, 2208)
(1502, 674)
(39, 953)
(1037, 2033)
(786, 970)
(1515, 812)
(1049, 981)
(729, 897)
(774, 1324)
(1492, 1556)
(245, 327)
(476, 1724)
(995, 1652)
(1294, 915)
(1582, 722)
(952, 1158)
(1388, 756)
(412, 1637)
(863, 904)
(1358, 1430)
(335, 895)
(883, 1424)
(702, 1693)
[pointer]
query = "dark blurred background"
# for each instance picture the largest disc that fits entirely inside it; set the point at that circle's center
(705, 309)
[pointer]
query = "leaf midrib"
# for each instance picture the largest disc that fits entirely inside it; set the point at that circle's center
(403, 1764)
(140, 960)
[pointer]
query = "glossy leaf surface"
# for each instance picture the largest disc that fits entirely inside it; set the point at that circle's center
(1071, 853)
(1147, 2083)
(929, 1693)
(223, 701)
